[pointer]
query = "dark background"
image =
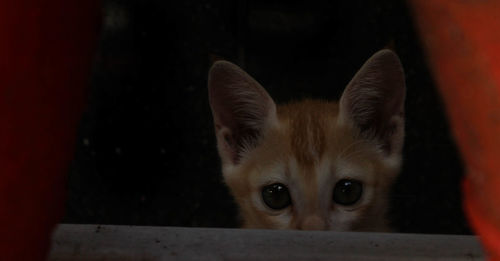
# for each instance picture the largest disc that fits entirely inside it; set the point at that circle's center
(146, 150)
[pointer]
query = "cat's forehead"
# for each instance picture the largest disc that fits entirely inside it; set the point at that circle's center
(308, 126)
(308, 136)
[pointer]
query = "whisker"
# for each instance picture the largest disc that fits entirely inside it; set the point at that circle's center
(350, 146)
(350, 155)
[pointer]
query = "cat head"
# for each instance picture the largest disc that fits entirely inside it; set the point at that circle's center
(312, 165)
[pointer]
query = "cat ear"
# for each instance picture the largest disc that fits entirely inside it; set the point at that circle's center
(241, 109)
(374, 101)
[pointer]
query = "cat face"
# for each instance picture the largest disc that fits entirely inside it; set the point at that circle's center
(311, 165)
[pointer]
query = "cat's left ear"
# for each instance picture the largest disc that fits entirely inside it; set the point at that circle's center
(374, 101)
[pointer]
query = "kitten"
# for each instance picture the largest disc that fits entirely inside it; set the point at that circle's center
(311, 165)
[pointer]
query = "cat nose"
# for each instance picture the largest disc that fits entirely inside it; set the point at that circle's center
(312, 223)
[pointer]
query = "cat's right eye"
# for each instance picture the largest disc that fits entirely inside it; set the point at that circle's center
(276, 196)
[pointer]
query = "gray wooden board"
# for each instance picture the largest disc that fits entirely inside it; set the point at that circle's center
(110, 242)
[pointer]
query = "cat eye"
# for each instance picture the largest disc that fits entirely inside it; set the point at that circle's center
(347, 192)
(276, 196)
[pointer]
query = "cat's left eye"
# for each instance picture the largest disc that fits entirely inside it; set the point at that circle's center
(276, 196)
(347, 192)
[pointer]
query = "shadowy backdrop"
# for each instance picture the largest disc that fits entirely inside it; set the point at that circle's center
(146, 150)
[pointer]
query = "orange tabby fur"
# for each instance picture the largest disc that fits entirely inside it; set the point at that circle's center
(307, 146)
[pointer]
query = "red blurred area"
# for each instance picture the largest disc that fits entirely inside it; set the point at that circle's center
(463, 45)
(45, 55)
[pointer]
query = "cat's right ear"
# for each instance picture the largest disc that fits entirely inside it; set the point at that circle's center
(241, 109)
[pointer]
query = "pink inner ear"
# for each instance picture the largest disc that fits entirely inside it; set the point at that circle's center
(238, 104)
(374, 99)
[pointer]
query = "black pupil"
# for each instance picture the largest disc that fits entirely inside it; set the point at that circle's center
(276, 196)
(347, 192)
